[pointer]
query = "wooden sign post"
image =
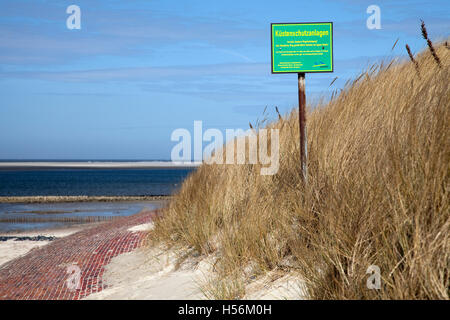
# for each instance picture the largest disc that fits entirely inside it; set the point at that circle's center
(302, 123)
(301, 48)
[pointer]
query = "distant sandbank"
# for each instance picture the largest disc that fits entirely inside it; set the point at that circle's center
(13, 165)
(55, 199)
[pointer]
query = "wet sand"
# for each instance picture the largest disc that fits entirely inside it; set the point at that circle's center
(40, 215)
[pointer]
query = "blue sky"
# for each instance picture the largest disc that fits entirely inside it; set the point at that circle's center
(137, 70)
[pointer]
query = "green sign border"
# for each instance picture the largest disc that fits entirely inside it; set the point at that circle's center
(304, 71)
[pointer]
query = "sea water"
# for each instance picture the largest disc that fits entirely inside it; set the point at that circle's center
(91, 182)
(28, 181)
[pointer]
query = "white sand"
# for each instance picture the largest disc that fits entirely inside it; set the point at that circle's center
(12, 249)
(285, 287)
(153, 273)
(142, 227)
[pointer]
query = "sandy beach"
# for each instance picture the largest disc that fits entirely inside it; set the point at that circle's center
(12, 249)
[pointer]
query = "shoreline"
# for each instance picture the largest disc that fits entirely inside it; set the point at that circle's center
(68, 199)
(57, 232)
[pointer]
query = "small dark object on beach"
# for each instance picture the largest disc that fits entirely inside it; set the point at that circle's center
(37, 238)
(6, 238)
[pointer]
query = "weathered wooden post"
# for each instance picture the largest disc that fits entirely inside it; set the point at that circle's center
(302, 123)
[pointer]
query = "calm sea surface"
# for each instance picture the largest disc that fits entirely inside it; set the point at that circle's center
(91, 182)
(80, 182)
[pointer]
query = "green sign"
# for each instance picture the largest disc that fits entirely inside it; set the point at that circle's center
(302, 47)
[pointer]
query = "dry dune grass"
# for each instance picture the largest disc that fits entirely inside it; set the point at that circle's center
(377, 194)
